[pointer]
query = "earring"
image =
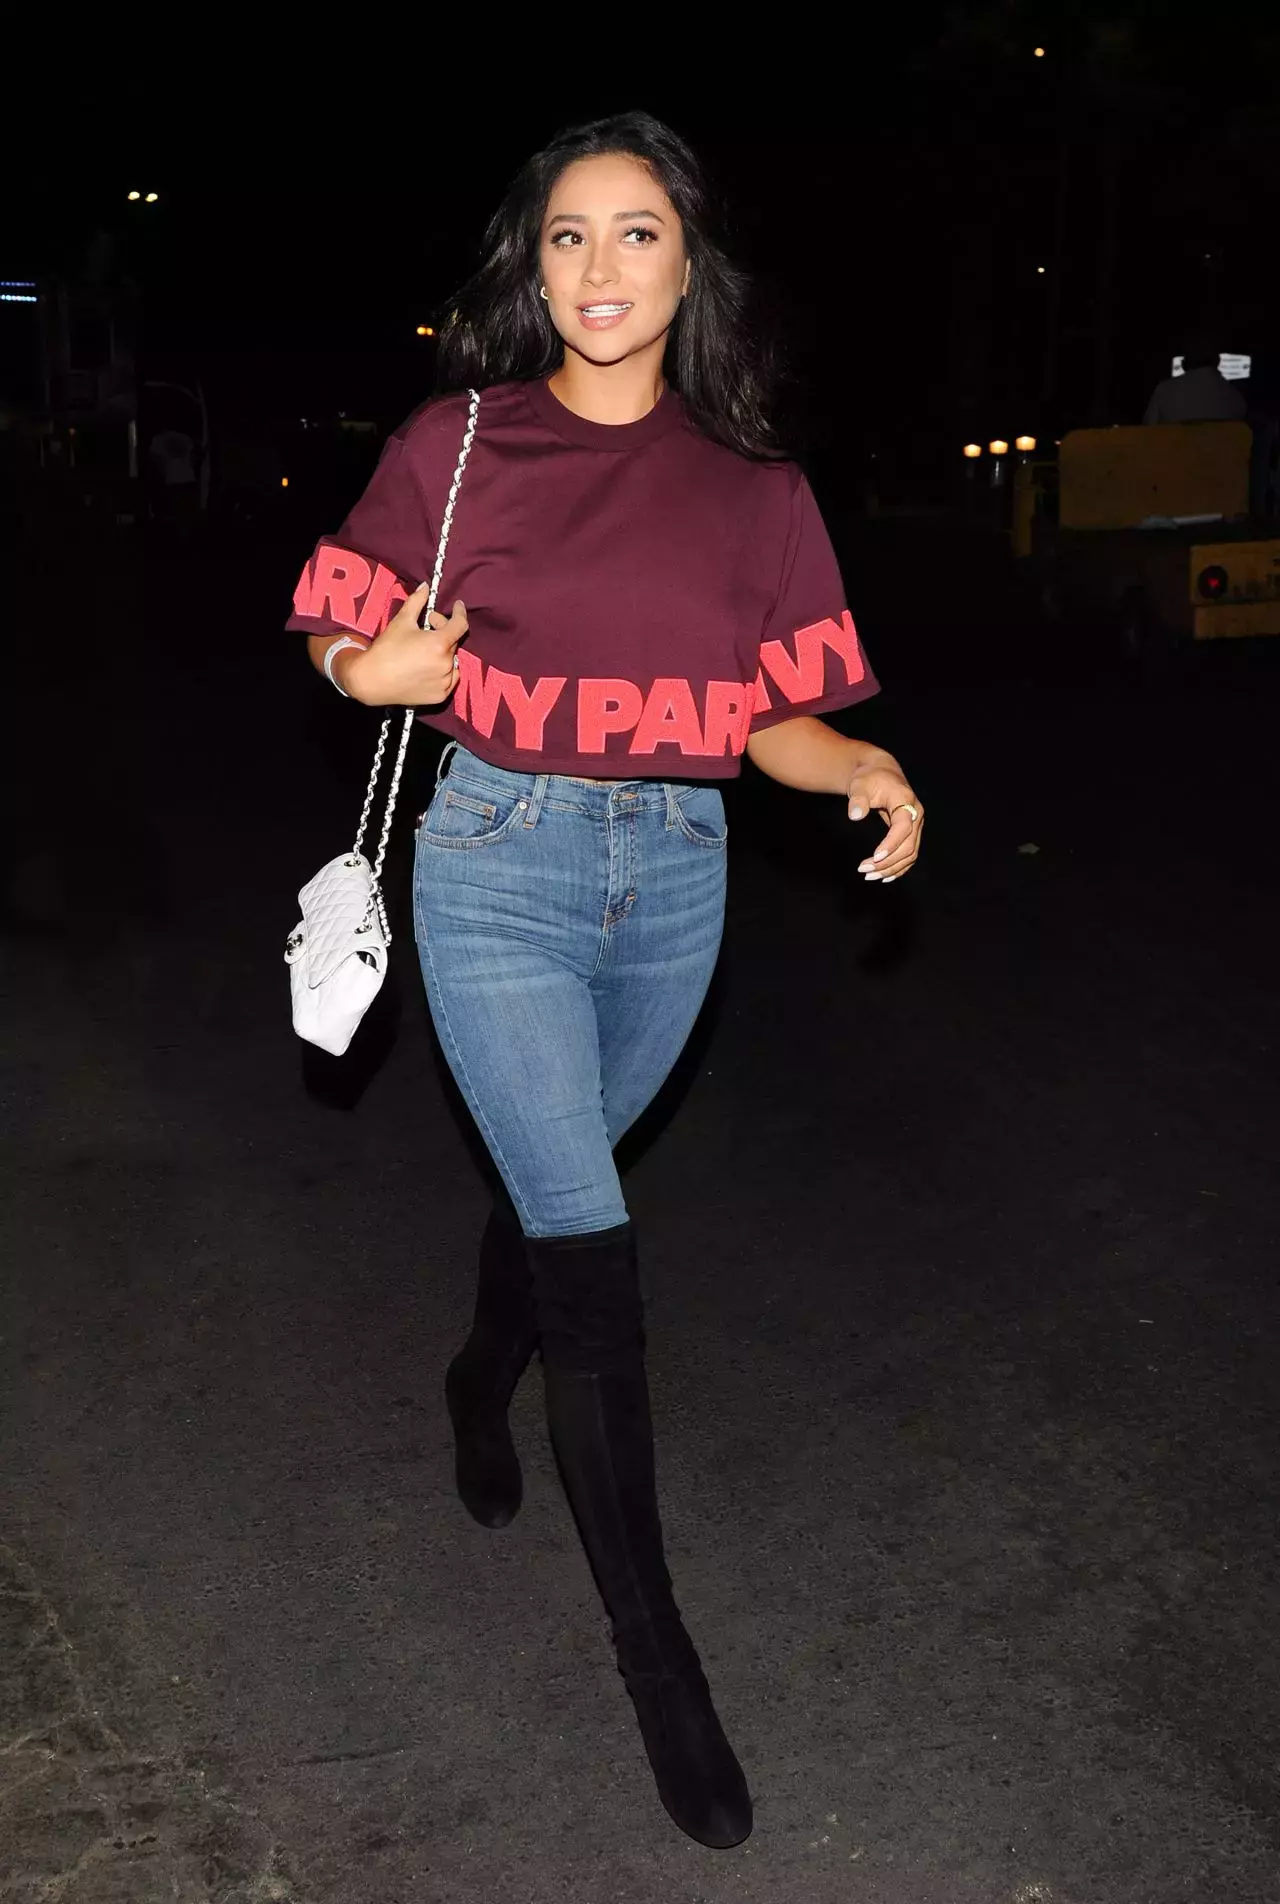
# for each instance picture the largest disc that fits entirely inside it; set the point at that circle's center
(542, 292)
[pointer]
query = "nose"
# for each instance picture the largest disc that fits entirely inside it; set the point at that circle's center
(599, 268)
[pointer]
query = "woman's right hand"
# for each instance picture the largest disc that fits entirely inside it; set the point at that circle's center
(408, 665)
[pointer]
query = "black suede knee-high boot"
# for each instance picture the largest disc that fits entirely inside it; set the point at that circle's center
(590, 1317)
(482, 1376)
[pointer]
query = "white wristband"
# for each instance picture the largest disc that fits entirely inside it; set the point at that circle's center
(335, 648)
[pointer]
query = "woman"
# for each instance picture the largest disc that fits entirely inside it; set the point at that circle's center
(650, 593)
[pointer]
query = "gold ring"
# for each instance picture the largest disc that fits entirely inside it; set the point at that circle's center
(905, 806)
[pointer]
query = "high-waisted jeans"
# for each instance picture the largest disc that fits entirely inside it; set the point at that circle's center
(568, 931)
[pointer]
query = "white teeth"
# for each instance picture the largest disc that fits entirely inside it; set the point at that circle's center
(604, 310)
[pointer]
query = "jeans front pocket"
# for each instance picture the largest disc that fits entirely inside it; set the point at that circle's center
(699, 813)
(457, 819)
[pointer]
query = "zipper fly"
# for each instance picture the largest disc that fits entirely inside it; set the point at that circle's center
(621, 825)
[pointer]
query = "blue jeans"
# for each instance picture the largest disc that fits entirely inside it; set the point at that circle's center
(568, 931)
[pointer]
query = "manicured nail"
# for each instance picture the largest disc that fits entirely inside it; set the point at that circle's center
(856, 813)
(872, 878)
(865, 866)
(879, 852)
(889, 879)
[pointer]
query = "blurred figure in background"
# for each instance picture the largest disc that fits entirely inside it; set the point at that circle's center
(1200, 395)
(173, 477)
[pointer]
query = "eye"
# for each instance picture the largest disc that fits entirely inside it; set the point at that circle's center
(640, 235)
(557, 240)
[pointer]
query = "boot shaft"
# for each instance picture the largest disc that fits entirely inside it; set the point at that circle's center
(586, 1292)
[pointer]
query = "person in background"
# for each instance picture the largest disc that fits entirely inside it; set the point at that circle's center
(1200, 395)
(174, 477)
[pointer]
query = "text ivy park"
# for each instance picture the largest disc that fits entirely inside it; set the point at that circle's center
(697, 717)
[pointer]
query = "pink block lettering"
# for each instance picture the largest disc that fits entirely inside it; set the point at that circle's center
(380, 604)
(670, 719)
(478, 694)
(760, 702)
(803, 678)
(340, 576)
(605, 707)
(843, 637)
(530, 711)
(728, 716)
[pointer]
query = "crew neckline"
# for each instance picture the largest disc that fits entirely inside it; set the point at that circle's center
(664, 416)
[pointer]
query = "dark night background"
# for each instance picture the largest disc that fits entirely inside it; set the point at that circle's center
(898, 202)
(960, 1218)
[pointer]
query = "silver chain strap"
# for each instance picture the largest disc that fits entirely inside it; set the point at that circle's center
(442, 544)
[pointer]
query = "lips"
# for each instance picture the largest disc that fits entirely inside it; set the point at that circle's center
(603, 314)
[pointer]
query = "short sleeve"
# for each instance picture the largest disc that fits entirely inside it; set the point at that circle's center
(385, 548)
(811, 660)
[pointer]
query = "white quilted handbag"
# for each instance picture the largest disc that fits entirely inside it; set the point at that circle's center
(337, 952)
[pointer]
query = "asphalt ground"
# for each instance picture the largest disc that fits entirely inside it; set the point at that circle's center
(961, 1239)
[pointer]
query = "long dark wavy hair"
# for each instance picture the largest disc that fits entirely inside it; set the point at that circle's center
(499, 328)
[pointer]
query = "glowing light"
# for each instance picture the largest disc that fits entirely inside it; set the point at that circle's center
(1230, 363)
(1039, 52)
(133, 196)
(284, 482)
(152, 197)
(18, 297)
(999, 447)
(1024, 443)
(972, 449)
(425, 330)
(1039, 270)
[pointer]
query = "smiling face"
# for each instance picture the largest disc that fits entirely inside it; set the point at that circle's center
(612, 259)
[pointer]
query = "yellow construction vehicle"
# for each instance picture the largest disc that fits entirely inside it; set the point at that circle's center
(1148, 533)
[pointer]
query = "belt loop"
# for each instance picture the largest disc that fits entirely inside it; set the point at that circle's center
(443, 766)
(670, 792)
(536, 799)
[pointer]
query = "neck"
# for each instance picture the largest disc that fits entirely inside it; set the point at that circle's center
(611, 393)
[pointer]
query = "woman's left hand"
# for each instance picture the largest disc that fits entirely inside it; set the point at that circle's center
(885, 789)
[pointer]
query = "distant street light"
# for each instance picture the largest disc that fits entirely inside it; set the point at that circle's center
(425, 330)
(972, 449)
(133, 196)
(1039, 270)
(1024, 443)
(999, 447)
(152, 197)
(1039, 52)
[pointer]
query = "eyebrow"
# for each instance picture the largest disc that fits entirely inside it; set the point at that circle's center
(580, 218)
